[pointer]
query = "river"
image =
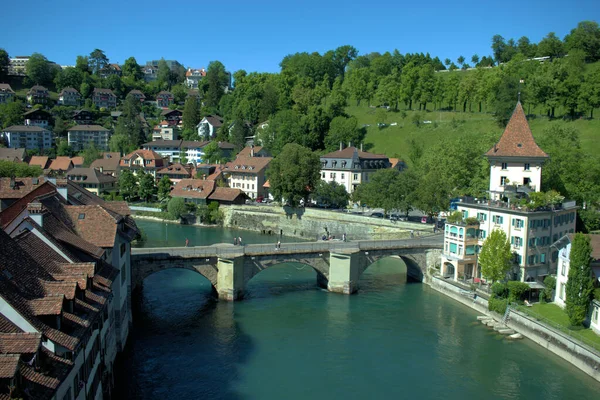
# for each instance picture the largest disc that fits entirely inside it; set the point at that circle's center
(290, 340)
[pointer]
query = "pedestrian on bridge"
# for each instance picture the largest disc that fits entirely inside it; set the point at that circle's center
(187, 242)
(240, 240)
(235, 241)
(278, 244)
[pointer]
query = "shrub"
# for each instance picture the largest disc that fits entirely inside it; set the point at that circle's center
(472, 221)
(497, 305)
(455, 217)
(499, 289)
(597, 294)
(176, 207)
(516, 291)
(548, 293)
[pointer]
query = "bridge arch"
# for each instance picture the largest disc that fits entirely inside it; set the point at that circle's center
(142, 271)
(416, 262)
(318, 262)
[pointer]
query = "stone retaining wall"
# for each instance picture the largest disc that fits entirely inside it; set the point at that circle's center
(310, 223)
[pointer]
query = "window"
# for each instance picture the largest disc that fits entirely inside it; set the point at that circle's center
(595, 315)
(332, 175)
(543, 258)
(563, 268)
(526, 167)
(517, 223)
(460, 249)
(503, 180)
(504, 165)
(497, 219)
(482, 234)
(562, 291)
(465, 214)
(519, 259)
(481, 216)
(323, 175)
(453, 247)
(342, 175)
(355, 177)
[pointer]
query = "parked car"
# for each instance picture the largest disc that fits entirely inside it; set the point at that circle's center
(377, 215)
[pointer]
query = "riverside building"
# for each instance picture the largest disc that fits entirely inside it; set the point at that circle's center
(531, 225)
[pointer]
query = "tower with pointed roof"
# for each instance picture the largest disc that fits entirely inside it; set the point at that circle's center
(516, 160)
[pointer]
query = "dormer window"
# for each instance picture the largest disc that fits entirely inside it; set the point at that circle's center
(504, 165)
(526, 166)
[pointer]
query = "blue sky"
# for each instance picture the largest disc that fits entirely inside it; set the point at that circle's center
(256, 35)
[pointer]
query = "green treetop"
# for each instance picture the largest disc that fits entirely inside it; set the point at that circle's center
(580, 284)
(495, 256)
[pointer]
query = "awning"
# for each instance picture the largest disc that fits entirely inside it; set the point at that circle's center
(596, 271)
(535, 285)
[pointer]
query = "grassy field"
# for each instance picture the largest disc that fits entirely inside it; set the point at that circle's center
(558, 318)
(393, 140)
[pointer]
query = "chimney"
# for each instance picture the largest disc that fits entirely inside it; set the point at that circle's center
(36, 212)
(341, 146)
(349, 144)
(12, 182)
(252, 151)
(361, 147)
(61, 187)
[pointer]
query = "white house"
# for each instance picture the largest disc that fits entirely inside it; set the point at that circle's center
(531, 231)
(80, 136)
(207, 128)
(28, 137)
(247, 172)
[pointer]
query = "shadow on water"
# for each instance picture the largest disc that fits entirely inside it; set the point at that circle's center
(280, 279)
(385, 273)
(184, 343)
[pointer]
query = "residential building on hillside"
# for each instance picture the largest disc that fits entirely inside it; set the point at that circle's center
(248, 174)
(108, 164)
(18, 66)
(138, 95)
(254, 151)
(69, 97)
(83, 117)
(37, 117)
(530, 230)
(111, 69)
(104, 98)
(164, 99)
(173, 65)
(150, 73)
(350, 166)
(77, 161)
(80, 136)
(146, 161)
(193, 77)
(207, 128)
(93, 180)
(38, 95)
(175, 172)
(27, 137)
(173, 117)
(562, 275)
(164, 131)
(15, 155)
(6, 93)
(193, 150)
(168, 149)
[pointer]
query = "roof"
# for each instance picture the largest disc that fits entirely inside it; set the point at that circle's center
(175, 169)
(155, 158)
(8, 365)
(89, 175)
(246, 151)
(105, 91)
(20, 187)
(395, 162)
(247, 165)
(38, 88)
(12, 154)
(348, 152)
(163, 143)
(167, 112)
(193, 188)
(77, 161)
(136, 91)
(61, 163)
(94, 224)
(225, 145)
(517, 139)
(5, 87)
(69, 90)
(25, 128)
(19, 343)
(108, 162)
(12, 211)
(95, 128)
(36, 111)
(226, 194)
(41, 161)
(267, 184)
(214, 120)
(164, 93)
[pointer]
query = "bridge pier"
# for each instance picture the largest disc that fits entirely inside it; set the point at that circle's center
(230, 278)
(343, 272)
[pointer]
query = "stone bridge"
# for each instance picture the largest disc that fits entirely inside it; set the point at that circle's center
(338, 264)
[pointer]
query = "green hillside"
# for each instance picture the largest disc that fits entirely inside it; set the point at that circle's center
(393, 140)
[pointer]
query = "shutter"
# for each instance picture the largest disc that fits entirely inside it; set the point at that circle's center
(512, 240)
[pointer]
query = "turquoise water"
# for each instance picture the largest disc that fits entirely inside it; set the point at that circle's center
(290, 340)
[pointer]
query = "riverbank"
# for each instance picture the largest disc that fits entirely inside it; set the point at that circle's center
(576, 353)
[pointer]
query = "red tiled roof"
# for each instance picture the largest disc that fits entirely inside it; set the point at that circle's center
(20, 187)
(247, 165)
(12, 211)
(175, 169)
(42, 161)
(51, 305)
(8, 365)
(61, 163)
(348, 152)
(94, 224)
(226, 194)
(193, 188)
(517, 140)
(156, 159)
(77, 161)
(19, 343)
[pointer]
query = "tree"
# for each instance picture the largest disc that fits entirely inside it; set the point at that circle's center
(63, 148)
(330, 194)
(97, 61)
(82, 64)
(580, 284)
(380, 191)
(447, 62)
(589, 96)
(164, 189)
(551, 46)
(217, 79)
(128, 132)
(212, 153)
(68, 77)
(39, 71)
(238, 133)
(586, 37)
(343, 130)
(4, 62)
(525, 47)
(495, 256)
(146, 187)
(176, 207)
(10, 169)
(132, 69)
(460, 60)
(90, 154)
(11, 114)
(499, 48)
(191, 113)
(293, 173)
(128, 185)
(475, 59)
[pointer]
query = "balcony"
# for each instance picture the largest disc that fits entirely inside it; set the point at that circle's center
(516, 204)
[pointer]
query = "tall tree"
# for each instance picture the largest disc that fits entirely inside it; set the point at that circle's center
(217, 79)
(68, 77)
(191, 114)
(495, 256)
(330, 194)
(39, 70)
(212, 153)
(164, 189)
(90, 154)
(11, 114)
(525, 47)
(551, 46)
(475, 59)
(82, 64)
(97, 61)
(343, 130)
(132, 69)
(580, 283)
(238, 133)
(342, 56)
(128, 185)
(586, 37)
(146, 187)
(164, 75)
(460, 60)
(499, 49)
(293, 173)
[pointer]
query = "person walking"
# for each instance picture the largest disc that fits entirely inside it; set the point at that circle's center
(240, 240)
(278, 244)
(187, 242)
(235, 241)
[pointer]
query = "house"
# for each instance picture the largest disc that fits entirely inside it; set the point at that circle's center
(110, 69)
(66, 306)
(194, 190)
(167, 149)
(38, 95)
(193, 150)
(41, 161)
(531, 231)
(108, 164)
(164, 131)
(562, 275)
(227, 196)
(207, 128)
(28, 137)
(175, 172)
(80, 136)
(37, 117)
(138, 95)
(193, 77)
(6, 93)
(77, 161)
(150, 73)
(15, 155)
(93, 180)
(12, 189)
(18, 66)
(61, 165)
(69, 97)
(83, 117)
(351, 166)
(164, 99)
(147, 161)
(212, 172)
(248, 174)
(173, 117)
(174, 150)
(104, 98)
(254, 151)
